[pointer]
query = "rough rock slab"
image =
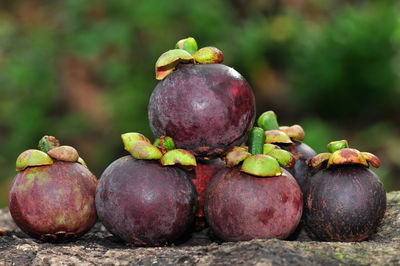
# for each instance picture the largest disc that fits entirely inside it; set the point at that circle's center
(98, 247)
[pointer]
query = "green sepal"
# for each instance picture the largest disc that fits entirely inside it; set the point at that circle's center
(189, 45)
(164, 143)
(144, 150)
(268, 121)
(179, 156)
(284, 158)
(337, 145)
(235, 157)
(208, 55)
(167, 62)
(269, 147)
(32, 158)
(261, 165)
(129, 139)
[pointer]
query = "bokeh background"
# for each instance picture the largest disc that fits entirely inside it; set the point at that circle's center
(84, 70)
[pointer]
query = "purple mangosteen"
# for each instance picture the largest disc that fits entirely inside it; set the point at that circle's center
(52, 197)
(144, 198)
(205, 106)
(345, 201)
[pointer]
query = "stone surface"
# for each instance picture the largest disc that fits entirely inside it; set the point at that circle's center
(98, 247)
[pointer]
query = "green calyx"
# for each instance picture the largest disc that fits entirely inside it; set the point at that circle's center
(341, 154)
(47, 143)
(189, 45)
(261, 165)
(167, 62)
(32, 158)
(337, 145)
(164, 143)
(179, 156)
(268, 121)
(186, 52)
(162, 149)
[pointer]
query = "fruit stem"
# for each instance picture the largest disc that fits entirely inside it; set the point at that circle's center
(256, 140)
(47, 143)
(268, 121)
(337, 145)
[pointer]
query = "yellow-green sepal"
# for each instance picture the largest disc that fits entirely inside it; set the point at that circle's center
(235, 157)
(347, 156)
(82, 162)
(372, 159)
(167, 62)
(261, 165)
(319, 159)
(208, 55)
(144, 150)
(164, 143)
(179, 156)
(32, 157)
(277, 136)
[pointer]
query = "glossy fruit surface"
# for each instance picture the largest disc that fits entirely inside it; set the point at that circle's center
(204, 108)
(240, 206)
(344, 203)
(54, 202)
(145, 203)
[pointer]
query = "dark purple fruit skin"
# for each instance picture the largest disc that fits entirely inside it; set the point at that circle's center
(54, 202)
(205, 108)
(303, 153)
(242, 207)
(145, 203)
(344, 203)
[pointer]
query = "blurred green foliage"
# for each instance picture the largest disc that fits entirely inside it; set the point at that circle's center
(84, 70)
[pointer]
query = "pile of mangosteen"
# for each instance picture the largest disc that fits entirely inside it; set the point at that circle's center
(209, 166)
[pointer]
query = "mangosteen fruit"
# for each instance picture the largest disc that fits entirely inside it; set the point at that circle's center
(144, 198)
(205, 106)
(52, 196)
(257, 199)
(345, 201)
(203, 174)
(289, 138)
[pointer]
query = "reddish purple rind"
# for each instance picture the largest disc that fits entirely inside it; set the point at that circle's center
(204, 173)
(205, 108)
(241, 207)
(55, 201)
(344, 203)
(141, 201)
